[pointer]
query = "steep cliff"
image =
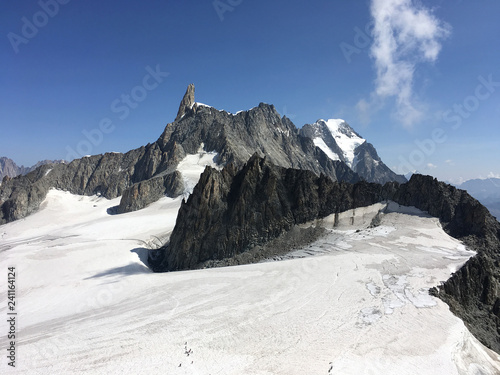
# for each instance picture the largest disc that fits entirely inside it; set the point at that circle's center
(231, 211)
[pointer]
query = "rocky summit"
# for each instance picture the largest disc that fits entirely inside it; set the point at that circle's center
(147, 173)
(341, 142)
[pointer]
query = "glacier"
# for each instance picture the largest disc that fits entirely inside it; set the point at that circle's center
(353, 302)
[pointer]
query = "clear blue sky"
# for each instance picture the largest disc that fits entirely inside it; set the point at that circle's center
(409, 85)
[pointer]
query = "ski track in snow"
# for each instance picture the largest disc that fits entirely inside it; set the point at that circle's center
(353, 302)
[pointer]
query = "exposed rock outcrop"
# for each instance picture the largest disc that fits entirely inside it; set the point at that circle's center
(236, 137)
(108, 175)
(370, 167)
(231, 212)
(473, 292)
(148, 191)
(8, 168)
(187, 102)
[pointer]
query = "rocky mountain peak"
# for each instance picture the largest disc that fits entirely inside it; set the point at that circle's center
(337, 139)
(187, 102)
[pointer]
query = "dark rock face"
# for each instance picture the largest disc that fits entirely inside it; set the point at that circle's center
(237, 137)
(108, 175)
(486, 191)
(231, 212)
(370, 167)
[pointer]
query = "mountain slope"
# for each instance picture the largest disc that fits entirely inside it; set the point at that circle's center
(231, 212)
(10, 169)
(340, 142)
(236, 137)
(233, 137)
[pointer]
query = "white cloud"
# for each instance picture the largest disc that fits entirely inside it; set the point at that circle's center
(405, 34)
(431, 166)
(493, 175)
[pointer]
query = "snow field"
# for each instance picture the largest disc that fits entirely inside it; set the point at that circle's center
(353, 302)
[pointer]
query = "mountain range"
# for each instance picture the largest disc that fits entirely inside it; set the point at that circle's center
(8, 168)
(264, 178)
(143, 175)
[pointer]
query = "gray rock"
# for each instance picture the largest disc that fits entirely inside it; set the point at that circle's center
(146, 192)
(232, 213)
(8, 168)
(186, 103)
(370, 167)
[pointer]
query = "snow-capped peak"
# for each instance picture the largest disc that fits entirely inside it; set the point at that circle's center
(345, 137)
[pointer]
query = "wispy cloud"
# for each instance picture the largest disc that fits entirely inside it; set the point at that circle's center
(405, 34)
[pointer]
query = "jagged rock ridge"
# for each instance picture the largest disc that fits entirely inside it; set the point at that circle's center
(8, 168)
(109, 175)
(231, 211)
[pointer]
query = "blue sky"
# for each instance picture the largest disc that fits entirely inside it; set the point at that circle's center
(418, 79)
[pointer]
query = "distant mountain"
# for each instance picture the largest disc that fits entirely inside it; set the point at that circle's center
(10, 169)
(487, 191)
(340, 142)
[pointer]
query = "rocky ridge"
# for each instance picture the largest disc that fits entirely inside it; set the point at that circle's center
(9, 169)
(232, 211)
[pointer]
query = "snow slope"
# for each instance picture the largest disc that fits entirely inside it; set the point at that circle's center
(193, 165)
(319, 142)
(354, 302)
